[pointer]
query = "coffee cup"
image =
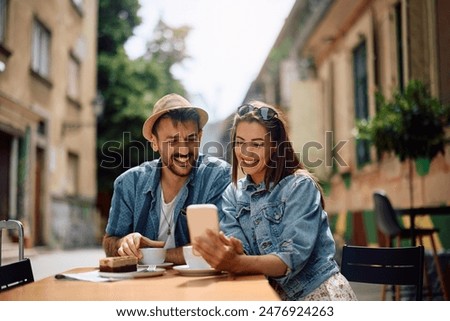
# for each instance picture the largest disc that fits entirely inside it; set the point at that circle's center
(194, 261)
(153, 255)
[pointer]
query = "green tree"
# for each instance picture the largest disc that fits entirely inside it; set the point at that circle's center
(129, 87)
(166, 50)
(116, 21)
(168, 45)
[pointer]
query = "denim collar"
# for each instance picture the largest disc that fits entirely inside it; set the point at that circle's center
(248, 184)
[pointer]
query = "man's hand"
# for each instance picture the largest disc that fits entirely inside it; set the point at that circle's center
(130, 244)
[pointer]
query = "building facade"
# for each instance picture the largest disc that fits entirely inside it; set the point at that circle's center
(47, 119)
(324, 69)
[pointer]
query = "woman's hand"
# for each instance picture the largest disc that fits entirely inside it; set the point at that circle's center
(227, 254)
(130, 244)
(221, 252)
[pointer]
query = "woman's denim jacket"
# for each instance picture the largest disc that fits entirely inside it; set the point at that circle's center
(287, 221)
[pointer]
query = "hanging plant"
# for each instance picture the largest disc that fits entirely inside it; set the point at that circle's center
(412, 124)
(422, 166)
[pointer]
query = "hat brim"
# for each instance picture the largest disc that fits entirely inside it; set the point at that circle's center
(147, 128)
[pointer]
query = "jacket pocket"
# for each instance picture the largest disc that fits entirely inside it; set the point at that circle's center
(274, 212)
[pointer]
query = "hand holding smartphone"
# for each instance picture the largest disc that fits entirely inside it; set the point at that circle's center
(201, 217)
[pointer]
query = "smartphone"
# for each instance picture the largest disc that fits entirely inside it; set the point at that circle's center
(201, 217)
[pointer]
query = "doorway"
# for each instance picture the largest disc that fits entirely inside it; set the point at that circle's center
(5, 169)
(38, 219)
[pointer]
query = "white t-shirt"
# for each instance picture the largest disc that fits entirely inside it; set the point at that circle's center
(166, 221)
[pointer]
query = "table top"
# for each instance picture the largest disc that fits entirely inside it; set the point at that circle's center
(168, 287)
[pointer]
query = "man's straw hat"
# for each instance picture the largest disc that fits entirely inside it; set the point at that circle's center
(165, 104)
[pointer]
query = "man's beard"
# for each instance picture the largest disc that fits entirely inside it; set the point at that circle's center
(176, 169)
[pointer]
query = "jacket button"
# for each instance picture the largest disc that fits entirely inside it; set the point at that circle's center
(264, 245)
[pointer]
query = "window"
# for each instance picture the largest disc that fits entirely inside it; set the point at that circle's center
(40, 61)
(73, 89)
(361, 99)
(72, 174)
(3, 17)
(399, 42)
(443, 45)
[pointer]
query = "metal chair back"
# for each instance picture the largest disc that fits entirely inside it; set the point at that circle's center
(19, 272)
(384, 265)
(386, 217)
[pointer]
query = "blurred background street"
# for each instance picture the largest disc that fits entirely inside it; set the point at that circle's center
(365, 85)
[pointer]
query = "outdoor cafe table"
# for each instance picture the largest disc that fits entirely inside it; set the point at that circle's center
(413, 212)
(168, 287)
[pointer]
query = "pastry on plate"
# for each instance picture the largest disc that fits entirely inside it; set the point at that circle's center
(118, 264)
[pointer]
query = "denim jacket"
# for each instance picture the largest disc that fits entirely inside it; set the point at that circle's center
(136, 202)
(287, 221)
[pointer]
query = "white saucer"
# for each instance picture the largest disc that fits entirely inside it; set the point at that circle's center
(140, 273)
(185, 270)
(160, 265)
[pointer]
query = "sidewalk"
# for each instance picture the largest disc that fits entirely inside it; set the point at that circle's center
(47, 262)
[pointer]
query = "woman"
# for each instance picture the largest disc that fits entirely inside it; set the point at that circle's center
(274, 217)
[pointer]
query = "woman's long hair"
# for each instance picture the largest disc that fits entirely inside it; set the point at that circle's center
(283, 160)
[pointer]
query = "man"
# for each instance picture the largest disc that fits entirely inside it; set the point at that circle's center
(149, 201)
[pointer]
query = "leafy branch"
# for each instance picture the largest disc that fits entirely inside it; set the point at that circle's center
(411, 124)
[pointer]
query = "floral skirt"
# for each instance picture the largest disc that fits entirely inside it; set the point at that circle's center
(336, 288)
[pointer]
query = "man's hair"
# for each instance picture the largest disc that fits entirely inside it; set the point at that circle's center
(178, 116)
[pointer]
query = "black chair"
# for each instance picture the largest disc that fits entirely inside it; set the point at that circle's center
(17, 273)
(388, 224)
(384, 265)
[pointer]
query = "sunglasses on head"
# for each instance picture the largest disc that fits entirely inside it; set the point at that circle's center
(265, 113)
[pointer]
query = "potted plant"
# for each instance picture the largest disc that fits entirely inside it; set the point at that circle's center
(411, 125)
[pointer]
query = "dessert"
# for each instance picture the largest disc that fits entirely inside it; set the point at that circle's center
(118, 264)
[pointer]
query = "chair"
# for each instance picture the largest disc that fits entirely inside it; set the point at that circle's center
(17, 273)
(384, 265)
(388, 224)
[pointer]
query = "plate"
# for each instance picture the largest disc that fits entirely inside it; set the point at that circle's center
(161, 265)
(140, 273)
(185, 270)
